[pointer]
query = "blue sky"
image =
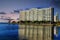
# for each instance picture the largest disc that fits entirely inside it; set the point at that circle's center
(10, 5)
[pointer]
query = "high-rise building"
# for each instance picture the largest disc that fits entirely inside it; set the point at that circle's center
(22, 15)
(46, 14)
(27, 15)
(56, 17)
(35, 14)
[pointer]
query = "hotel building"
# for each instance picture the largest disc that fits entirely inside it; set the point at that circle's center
(46, 14)
(22, 15)
(35, 14)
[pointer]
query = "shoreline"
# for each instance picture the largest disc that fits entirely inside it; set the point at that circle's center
(7, 23)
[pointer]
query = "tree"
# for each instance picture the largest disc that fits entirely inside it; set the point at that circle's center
(14, 22)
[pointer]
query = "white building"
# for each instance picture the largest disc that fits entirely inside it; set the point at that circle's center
(27, 15)
(40, 14)
(46, 14)
(54, 18)
(57, 16)
(22, 15)
(35, 14)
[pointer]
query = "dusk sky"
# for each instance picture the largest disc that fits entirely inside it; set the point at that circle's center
(11, 5)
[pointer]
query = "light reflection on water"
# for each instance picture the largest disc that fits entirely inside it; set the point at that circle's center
(56, 36)
(35, 32)
(10, 32)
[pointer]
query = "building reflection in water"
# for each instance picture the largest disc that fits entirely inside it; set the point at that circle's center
(36, 31)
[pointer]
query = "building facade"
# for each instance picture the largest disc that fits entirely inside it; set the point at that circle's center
(35, 14)
(46, 14)
(22, 15)
(56, 17)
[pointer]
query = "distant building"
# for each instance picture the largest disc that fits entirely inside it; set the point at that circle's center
(57, 16)
(35, 14)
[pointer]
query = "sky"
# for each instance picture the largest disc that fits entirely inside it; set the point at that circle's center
(11, 5)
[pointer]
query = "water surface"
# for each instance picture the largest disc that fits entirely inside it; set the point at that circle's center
(8, 31)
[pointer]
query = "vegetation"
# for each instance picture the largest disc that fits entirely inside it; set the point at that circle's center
(13, 22)
(38, 22)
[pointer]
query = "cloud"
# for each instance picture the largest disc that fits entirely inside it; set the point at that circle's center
(2, 13)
